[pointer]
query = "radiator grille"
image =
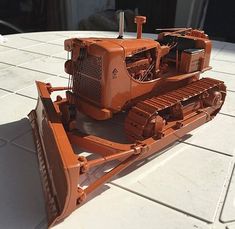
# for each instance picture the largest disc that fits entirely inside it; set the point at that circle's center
(86, 80)
(92, 66)
(89, 88)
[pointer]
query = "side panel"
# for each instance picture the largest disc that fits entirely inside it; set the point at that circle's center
(116, 81)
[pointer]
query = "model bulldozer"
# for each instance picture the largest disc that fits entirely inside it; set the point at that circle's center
(149, 90)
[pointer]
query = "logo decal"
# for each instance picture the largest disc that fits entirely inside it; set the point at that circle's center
(114, 73)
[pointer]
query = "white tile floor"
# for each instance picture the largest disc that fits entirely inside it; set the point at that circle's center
(228, 213)
(191, 185)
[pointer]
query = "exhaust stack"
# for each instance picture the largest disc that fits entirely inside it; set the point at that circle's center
(121, 25)
(139, 20)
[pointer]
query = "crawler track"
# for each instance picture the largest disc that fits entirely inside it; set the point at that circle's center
(140, 115)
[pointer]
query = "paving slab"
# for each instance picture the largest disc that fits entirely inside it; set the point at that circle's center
(41, 36)
(227, 107)
(223, 66)
(59, 41)
(49, 65)
(16, 57)
(62, 55)
(178, 182)
(45, 49)
(211, 135)
(227, 53)
(228, 79)
(228, 213)
(102, 212)
(18, 41)
(53, 80)
(25, 141)
(217, 46)
(13, 119)
(16, 78)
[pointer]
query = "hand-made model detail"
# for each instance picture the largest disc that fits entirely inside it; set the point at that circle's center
(152, 88)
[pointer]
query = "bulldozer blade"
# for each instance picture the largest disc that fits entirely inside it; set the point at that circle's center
(58, 164)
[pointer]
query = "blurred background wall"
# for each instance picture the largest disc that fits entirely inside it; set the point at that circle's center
(216, 17)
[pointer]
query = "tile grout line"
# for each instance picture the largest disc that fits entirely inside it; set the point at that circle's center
(34, 83)
(221, 49)
(6, 90)
(228, 61)
(26, 96)
(17, 92)
(10, 47)
(225, 114)
(23, 133)
(24, 148)
(15, 48)
(8, 93)
(44, 42)
(4, 142)
(20, 146)
(60, 58)
(64, 77)
(42, 224)
(11, 141)
(18, 66)
(11, 65)
(230, 90)
(205, 148)
(228, 73)
(43, 54)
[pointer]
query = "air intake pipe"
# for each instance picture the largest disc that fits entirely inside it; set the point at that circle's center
(139, 20)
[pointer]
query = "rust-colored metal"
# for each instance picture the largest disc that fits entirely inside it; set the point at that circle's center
(154, 85)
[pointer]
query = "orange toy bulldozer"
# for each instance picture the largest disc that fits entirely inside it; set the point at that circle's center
(147, 92)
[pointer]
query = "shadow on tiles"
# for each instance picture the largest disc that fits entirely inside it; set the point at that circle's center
(21, 196)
